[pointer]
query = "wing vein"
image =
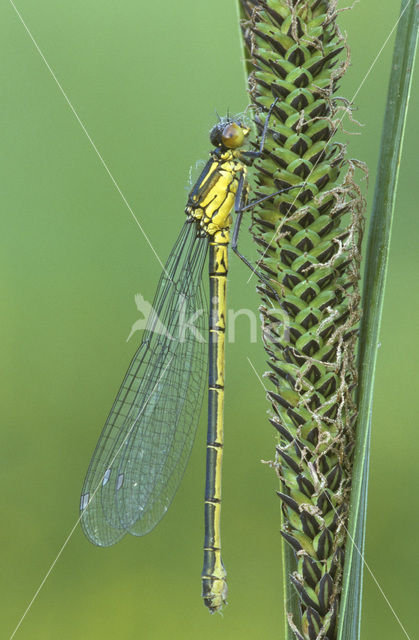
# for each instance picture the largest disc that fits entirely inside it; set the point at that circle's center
(145, 444)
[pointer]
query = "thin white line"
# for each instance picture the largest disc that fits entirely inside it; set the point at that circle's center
(44, 579)
(378, 55)
(374, 62)
(256, 373)
(87, 134)
(371, 573)
(81, 515)
(353, 541)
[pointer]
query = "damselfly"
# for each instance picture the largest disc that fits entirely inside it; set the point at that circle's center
(145, 445)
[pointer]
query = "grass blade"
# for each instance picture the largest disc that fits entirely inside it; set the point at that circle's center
(373, 296)
(247, 67)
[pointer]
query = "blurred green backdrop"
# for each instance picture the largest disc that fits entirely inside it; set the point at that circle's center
(145, 79)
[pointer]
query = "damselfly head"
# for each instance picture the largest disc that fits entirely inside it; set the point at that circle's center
(229, 133)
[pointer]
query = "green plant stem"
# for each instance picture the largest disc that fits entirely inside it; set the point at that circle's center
(373, 296)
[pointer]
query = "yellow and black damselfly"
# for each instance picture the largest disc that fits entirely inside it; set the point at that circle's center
(145, 445)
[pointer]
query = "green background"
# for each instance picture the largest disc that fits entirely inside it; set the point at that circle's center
(145, 79)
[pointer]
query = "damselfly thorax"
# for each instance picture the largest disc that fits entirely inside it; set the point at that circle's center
(213, 197)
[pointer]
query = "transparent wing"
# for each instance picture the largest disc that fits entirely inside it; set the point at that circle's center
(145, 444)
